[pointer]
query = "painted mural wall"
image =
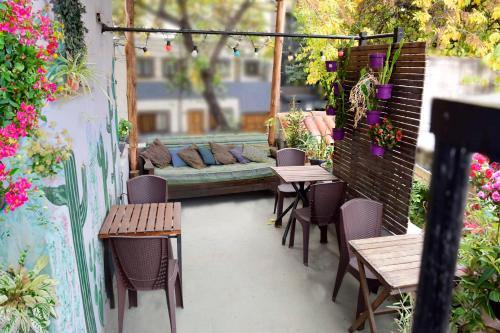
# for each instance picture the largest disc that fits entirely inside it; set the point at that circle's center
(64, 222)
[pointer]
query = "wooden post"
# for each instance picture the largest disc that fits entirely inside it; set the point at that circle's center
(276, 79)
(131, 85)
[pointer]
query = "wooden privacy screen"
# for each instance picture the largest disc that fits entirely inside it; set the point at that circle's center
(387, 179)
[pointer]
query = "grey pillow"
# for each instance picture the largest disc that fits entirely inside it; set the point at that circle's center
(192, 158)
(222, 154)
(254, 154)
(157, 154)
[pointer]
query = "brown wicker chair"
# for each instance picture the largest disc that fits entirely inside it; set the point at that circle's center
(147, 189)
(324, 208)
(286, 157)
(145, 263)
(360, 218)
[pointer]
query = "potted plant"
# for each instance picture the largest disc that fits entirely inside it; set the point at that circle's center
(383, 136)
(384, 89)
(362, 99)
(376, 60)
(294, 131)
(318, 150)
(72, 74)
(124, 127)
(325, 83)
(27, 298)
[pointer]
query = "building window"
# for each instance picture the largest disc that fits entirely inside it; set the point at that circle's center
(252, 68)
(145, 67)
(169, 67)
(224, 68)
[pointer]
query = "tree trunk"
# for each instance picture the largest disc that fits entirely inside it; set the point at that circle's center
(207, 77)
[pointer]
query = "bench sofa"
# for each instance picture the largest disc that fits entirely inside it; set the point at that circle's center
(187, 182)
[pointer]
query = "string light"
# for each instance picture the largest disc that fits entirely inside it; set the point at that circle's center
(168, 46)
(256, 52)
(236, 52)
(322, 55)
(290, 56)
(194, 53)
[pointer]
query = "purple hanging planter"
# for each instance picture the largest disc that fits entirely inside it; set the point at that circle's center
(336, 89)
(330, 110)
(384, 91)
(377, 150)
(376, 60)
(338, 134)
(331, 66)
(373, 117)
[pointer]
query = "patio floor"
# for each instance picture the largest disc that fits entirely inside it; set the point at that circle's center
(239, 278)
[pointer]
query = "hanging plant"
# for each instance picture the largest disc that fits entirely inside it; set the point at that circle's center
(384, 89)
(363, 100)
(72, 75)
(69, 13)
(384, 136)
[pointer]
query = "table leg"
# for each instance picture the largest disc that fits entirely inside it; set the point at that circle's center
(108, 274)
(179, 253)
(285, 234)
(376, 303)
(277, 223)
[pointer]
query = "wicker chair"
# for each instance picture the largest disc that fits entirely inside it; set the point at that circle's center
(324, 209)
(360, 218)
(286, 157)
(147, 189)
(145, 263)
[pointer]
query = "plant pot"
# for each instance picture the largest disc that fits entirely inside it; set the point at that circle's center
(330, 110)
(331, 66)
(74, 85)
(384, 91)
(338, 134)
(121, 146)
(314, 161)
(373, 117)
(377, 150)
(495, 306)
(336, 89)
(376, 60)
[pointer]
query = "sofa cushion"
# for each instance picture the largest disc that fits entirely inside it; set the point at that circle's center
(177, 162)
(236, 152)
(254, 154)
(192, 158)
(157, 154)
(222, 154)
(206, 155)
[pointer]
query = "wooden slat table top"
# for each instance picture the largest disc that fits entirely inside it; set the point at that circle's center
(303, 173)
(156, 219)
(395, 260)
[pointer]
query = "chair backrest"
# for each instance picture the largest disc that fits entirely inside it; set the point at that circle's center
(141, 262)
(290, 157)
(360, 218)
(325, 201)
(147, 189)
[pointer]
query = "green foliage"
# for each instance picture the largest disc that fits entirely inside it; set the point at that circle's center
(386, 72)
(27, 298)
(69, 13)
(404, 308)
(18, 74)
(317, 148)
(295, 132)
(295, 73)
(70, 73)
(419, 199)
(124, 127)
(362, 96)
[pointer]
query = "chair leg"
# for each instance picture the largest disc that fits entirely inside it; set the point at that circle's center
(275, 202)
(121, 303)
(132, 298)
(292, 233)
(305, 243)
(178, 291)
(279, 209)
(340, 277)
(171, 307)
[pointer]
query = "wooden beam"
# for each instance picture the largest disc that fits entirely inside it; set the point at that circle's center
(131, 86)
(276, 79)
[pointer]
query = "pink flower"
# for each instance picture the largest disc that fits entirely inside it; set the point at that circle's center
(487, 187)
(476, 167)
(488, 173)
(481, 159)
(481, 195)
(496, 196)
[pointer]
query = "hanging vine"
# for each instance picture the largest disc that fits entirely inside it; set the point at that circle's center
(70, 12)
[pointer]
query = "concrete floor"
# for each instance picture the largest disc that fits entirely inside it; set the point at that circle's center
(239, 278)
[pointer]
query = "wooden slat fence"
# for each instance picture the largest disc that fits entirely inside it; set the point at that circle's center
(387, 179)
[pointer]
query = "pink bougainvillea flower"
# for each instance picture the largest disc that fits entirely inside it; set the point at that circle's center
(487, 187)
(488, 173)
(481, 195)
(476, 167)
(481, 159)
(495, 196)
(16, 196)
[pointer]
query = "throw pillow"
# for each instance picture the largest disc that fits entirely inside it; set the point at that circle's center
(236, 152)
(157, 154)
(207, 156)
(177, 162)
(222, 154)
(192, 158)
(254, 154)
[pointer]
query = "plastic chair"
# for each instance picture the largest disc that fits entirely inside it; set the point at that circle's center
(145, 263)
(324, 208)
(147, 189)
(360, 218)
(286, 157)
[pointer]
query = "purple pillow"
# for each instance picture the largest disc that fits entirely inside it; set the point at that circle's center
(237, 153)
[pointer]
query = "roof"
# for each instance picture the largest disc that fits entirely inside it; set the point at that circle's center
(316, 122)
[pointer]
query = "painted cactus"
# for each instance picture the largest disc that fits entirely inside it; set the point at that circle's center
(94, 258)
(102, 160)
(69, 195)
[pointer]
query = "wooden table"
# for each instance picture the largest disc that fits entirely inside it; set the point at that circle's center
(298, 176)
(395, 261)
(155, 219)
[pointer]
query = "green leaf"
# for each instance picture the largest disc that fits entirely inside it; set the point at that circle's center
(494, 295)
(486, 275)
(19, 66)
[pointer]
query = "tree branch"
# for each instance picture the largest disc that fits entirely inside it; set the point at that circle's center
(160, 12)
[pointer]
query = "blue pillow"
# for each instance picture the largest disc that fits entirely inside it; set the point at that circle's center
(207, 156)
(177, 162)
(237, 153)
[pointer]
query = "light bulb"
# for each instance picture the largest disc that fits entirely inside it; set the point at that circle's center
(290, 56)
(236, 52)
(256, 52)
(322, 55)
(168, 46)
(194, 54)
